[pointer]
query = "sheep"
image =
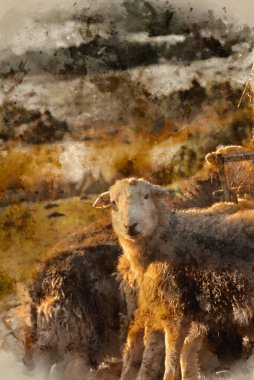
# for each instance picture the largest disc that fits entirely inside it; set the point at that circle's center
(192, 267)
(219, 348)
(239, 174)
(81, 247)
(134, 363)
(200, 190)
(77, 310)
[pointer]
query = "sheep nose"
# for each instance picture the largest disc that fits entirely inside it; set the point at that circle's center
(131, 229)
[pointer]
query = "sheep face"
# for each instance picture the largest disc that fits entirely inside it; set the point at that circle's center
(134, 212)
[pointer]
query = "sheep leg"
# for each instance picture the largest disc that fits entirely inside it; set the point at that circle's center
(154, 353)
(74, 366)
(175, 334)
(42, 361)
(190, 355)
(133, 353)
(77, 367)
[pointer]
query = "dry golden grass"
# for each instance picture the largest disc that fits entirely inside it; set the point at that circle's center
(27, 233)
(24, 168)
(7, 283)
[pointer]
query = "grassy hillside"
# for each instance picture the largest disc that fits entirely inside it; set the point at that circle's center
(29, 230)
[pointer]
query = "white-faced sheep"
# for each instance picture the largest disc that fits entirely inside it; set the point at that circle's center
(192, 267)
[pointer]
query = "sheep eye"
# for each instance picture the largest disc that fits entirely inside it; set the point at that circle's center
(146, 196)
(114, 205)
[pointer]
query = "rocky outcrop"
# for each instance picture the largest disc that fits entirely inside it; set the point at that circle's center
(29, 126)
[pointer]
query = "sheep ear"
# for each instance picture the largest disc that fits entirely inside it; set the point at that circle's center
(211, 158)
(158, 191)
(103, 200)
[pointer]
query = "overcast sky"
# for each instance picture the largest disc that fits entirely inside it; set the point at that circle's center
(15, 14)
(241, 8)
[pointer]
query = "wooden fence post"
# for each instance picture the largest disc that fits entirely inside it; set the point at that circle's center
(229, 195)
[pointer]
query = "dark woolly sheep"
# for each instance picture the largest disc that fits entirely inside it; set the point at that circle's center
(76, 305)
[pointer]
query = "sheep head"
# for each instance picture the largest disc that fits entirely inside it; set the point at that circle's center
(134, 207)
(211, 158)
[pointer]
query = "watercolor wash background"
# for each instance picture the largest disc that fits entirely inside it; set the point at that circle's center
(88, 93)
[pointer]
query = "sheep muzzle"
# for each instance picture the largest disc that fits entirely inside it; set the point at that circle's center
(131, 229)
